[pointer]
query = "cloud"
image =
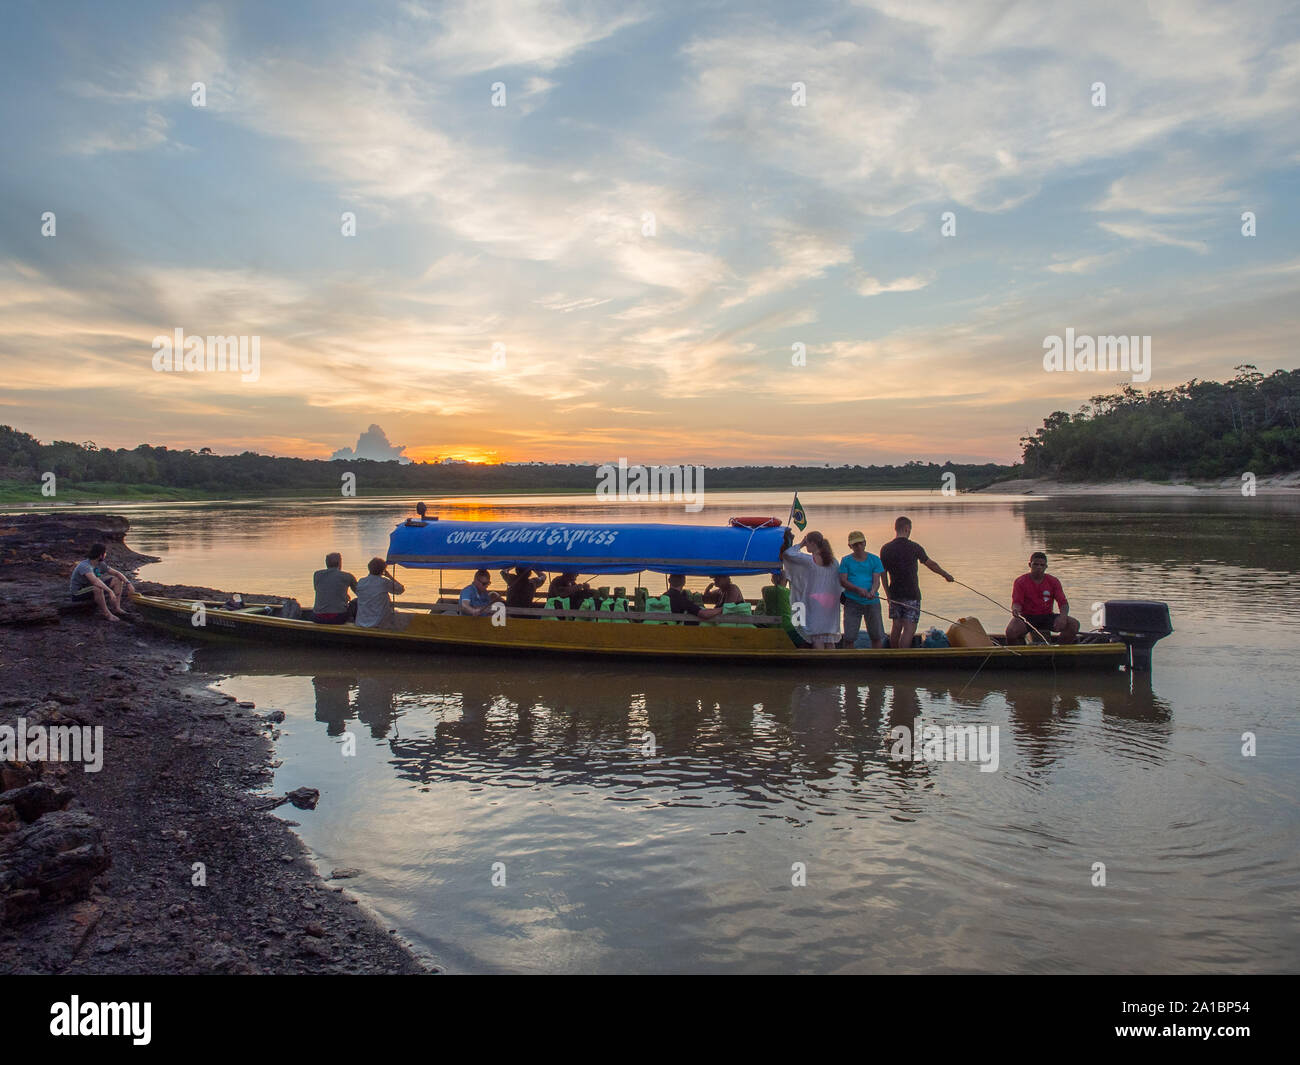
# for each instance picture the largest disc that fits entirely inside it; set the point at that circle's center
(1084, 264)
(870, 286)
(126, 138)
(558, 301)
(1144, 233)
(373, 444)
(481, 35)
(800, 257)
(982, 106)
(1179, 186)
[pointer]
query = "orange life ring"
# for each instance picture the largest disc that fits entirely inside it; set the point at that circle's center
(755, 523)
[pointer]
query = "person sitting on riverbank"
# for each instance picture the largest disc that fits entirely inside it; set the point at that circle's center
(860, 578)
(475, 599)
(375, 597)
(333, 606)
(815, 585)
(87, 587)
(1032, 597)
(115, 579)
(521, 586)
(901, 582)
(721, 590)
(680, 601)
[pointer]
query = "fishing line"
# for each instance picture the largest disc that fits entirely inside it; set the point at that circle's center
(951, 621)
(1001, 607)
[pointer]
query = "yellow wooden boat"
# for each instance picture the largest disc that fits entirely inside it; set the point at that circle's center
(743, 638)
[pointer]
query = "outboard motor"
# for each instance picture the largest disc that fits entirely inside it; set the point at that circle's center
(1139, 624)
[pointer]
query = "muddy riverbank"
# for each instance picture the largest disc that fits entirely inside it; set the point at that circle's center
(163, 861)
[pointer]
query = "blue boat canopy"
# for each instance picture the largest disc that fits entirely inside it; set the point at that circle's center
(585, 548)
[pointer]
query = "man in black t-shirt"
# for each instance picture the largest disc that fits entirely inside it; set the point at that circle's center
(680, 602)
(567, 586)
(521, 586)
(901, 583)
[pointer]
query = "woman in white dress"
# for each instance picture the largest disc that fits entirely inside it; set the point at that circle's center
(815, 583)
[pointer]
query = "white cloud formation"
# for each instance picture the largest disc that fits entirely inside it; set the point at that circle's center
(870, 286)
(1084, 264)
(373, 444)
(799, 256)
(149, 133)
(482, 35)
(1144, 233)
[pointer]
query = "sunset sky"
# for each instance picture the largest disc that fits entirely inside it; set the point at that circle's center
(527, 226)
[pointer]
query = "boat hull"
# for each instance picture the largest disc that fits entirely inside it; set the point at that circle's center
(452, 633)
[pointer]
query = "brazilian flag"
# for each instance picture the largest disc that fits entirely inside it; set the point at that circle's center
(797, 516)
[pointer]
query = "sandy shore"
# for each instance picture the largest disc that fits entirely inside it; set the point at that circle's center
(97, 870)
(1273, 484)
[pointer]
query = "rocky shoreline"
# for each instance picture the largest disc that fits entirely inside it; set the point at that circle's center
(99, 870)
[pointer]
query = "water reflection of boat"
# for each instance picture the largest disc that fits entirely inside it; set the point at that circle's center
(540, 720)
(743, 637)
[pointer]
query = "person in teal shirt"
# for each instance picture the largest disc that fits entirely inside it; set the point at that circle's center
(860, 578)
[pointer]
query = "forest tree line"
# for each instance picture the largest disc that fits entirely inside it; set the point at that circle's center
(23, 458)
(1201, 429)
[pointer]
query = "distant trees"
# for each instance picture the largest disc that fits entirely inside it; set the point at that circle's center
(1201, 429)
(23, 457)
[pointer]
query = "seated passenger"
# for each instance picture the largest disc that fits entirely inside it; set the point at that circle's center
(1031, 604)
(374, 597)
(721, 591)
(332, 606)
(680, 601)
(476, 600)
(776, 602)
(567, 586)
(521, 586)
(86, 586)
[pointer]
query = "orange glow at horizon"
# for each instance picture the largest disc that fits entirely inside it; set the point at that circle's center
(460, 454)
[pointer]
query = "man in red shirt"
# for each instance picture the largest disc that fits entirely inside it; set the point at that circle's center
(1031, 604)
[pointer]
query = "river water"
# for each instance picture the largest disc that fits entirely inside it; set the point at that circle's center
(507, 816)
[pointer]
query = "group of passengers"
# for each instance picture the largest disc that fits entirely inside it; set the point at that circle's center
(821, 584)
(476, 599)
(373, 606)
(818, 583)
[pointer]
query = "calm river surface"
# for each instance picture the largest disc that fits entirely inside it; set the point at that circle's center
(682, 862)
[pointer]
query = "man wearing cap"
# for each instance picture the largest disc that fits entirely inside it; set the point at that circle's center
(860, 578)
